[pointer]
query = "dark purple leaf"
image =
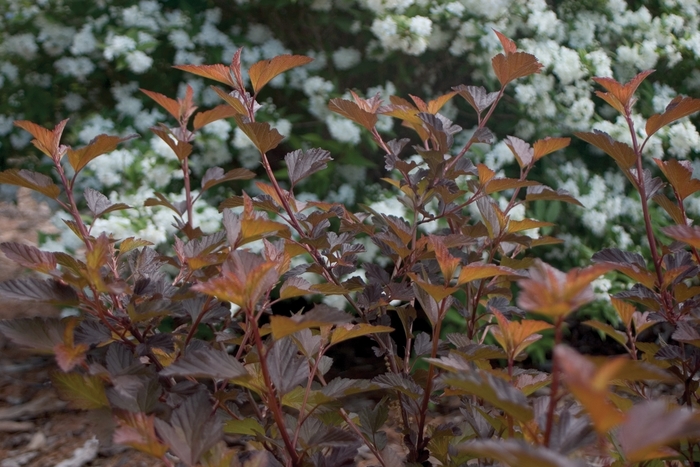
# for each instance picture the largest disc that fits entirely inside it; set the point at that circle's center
(686, 332)
(38, 290)
(571, 433)
(484, 135)
(192, 431)
(499, 393)
(287, 369)
(29, 256)
(372, 421)
(120, 361)
(135, 392)
(651, 425)
(399, 382)
(302, 163)
(92, 332)
(96, 201)
(206, 363)
(216, 175)
(617, 256)
(522, 151)
(478, 97)
(204, 245)
(336, 457)
(422, 345)
(232, 225)
(396, 146)
(517, 453)
(40, 334)
(325, 436)
(161, 200)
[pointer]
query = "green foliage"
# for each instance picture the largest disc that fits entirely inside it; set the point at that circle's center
(455, 259)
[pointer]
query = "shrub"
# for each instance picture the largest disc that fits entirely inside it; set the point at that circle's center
(157, 345)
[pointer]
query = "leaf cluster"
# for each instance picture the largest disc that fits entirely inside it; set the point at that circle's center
(264, 377)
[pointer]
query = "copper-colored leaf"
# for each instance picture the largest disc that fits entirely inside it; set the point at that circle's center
(329, 288)
(218, 72)
(589, 384)
(438, 292)
(33, 180)
(551, 292)
(624, 310)
(131, 243)
(350, 331)
(243, 290)
(542, 192)
(670, 207)
(622, 152)
(514, 65)
(101, 144)
(170, 105)
(623, 93)
(263, 136)
(678, 108)
(476, 271)
(448, 263)
(680, 175)
(215, 175)
(516, 336)
(526, 224)
(217, 113)
(232, 99)
(434, 105)
(684, 233)
(352, 111)
(508, 44)
(137, 430)
(549, 145)
(265, 70)
(46, 141)
(500, 184)
(181, 149)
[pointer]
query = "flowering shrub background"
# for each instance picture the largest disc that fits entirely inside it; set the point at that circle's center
(84, 60)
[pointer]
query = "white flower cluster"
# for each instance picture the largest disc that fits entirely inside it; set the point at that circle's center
(574, 44)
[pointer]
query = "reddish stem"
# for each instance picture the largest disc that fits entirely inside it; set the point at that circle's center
(554, 388)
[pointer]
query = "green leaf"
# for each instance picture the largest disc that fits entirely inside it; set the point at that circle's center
(496, 391)
(246, 426)
(84, 392)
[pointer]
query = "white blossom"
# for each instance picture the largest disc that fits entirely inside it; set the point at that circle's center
(683, 138)
(78, 67)
(346, 57)
(84, 42)
(342, 129)
(116, 46)
(138, 61)
(420, 25)
(22, 45)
